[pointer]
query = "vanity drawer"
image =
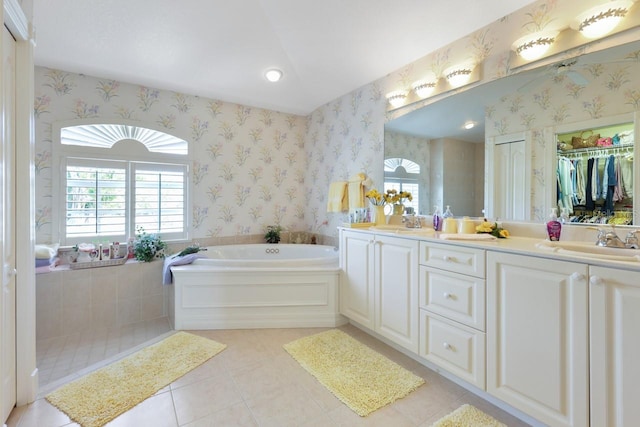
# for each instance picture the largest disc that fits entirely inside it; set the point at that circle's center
(453, 347)
(454, 296)
(453, 258)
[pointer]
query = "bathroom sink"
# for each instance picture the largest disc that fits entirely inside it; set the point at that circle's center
(399, 229)
(590, 250)
(416, 231)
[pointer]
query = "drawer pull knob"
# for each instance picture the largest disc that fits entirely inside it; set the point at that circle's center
(595, 280)
(447, 258)
(447, 295)
(447, 346)
(576, 276)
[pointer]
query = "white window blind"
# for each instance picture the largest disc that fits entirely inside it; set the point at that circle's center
(160, 199)
(110, 200)
(95, 200)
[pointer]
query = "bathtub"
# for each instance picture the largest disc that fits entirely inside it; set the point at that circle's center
(257, 286)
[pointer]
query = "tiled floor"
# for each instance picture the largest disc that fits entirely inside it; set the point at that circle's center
(63, 356)
(254, 382)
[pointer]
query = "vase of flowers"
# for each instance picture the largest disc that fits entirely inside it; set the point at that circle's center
(494, 229)
(378, 203)
(397, 198)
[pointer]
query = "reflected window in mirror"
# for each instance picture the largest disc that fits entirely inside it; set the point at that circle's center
(403, 175)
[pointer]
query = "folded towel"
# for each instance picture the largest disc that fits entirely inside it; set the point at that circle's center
(42, 262)
(464, 236)
(338, 197)
(356, 191)
(172, 260)
(46, 251)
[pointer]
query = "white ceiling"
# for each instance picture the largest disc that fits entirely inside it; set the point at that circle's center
(220, 48)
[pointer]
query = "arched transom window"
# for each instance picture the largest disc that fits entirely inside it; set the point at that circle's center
(116, 178)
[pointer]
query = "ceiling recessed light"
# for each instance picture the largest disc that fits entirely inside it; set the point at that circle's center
(469, 125)
(273, 75)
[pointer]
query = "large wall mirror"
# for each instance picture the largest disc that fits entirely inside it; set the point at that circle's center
(451, 158)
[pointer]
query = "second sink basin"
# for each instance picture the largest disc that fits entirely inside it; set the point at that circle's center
(590, 250)
(399, 229)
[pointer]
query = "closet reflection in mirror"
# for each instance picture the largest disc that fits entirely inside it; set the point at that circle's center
(595, 175)
(534, 106)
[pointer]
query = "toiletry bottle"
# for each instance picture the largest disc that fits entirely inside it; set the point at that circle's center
(437, 219)
(447, 213)
(564, 216)
(553, 226)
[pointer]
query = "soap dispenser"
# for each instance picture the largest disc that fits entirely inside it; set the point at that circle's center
(437, 218)
(449, 223)
(554, 227)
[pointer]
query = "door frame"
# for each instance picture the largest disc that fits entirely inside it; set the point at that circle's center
(490, 164)
(21, 28)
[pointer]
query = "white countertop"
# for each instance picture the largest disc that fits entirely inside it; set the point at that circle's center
(514, 245)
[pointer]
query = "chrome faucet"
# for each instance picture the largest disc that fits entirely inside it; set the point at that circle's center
(631, 241)
(609, 239)
(411, 221)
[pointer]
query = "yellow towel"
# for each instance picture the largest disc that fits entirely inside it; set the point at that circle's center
(356, 191)
(338, 197)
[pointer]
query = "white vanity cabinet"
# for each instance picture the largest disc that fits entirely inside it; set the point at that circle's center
(537, 337)
(379, 286)
(614, 300)
(356, 282)
(452, 309)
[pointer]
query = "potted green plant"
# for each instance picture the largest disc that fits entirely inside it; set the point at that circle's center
(273, 234)
(148, 246)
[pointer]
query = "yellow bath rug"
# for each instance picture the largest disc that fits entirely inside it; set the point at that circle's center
(101, 396)
(357, 375)
(468, 416)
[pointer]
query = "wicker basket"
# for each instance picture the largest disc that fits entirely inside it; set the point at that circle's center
(94, 264)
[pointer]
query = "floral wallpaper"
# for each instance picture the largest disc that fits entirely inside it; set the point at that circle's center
(248, 164)
(612, 89)
(256, 167)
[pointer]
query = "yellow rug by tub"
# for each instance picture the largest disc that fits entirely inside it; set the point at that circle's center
(468, 416)
(101, 396)
(360, 377)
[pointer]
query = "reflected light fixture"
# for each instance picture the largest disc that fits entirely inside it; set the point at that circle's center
(533, 46)
(469, 125)
(396, 98)
(273, 75)
(458, 75)
(423, 88)
(601, 20)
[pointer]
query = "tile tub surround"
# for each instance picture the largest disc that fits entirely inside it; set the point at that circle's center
(76, 301)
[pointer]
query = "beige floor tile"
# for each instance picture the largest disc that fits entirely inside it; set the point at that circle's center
(203, 398)
(42, 414)
(383, 417)
(237, 415)
(156, 411)
(211, 368)
(291, 406)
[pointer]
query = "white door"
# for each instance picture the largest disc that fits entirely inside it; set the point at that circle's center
(615, 345)
(397, 290)
(510, 182)
(7, 232)
(356, 284)
(537, 337)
